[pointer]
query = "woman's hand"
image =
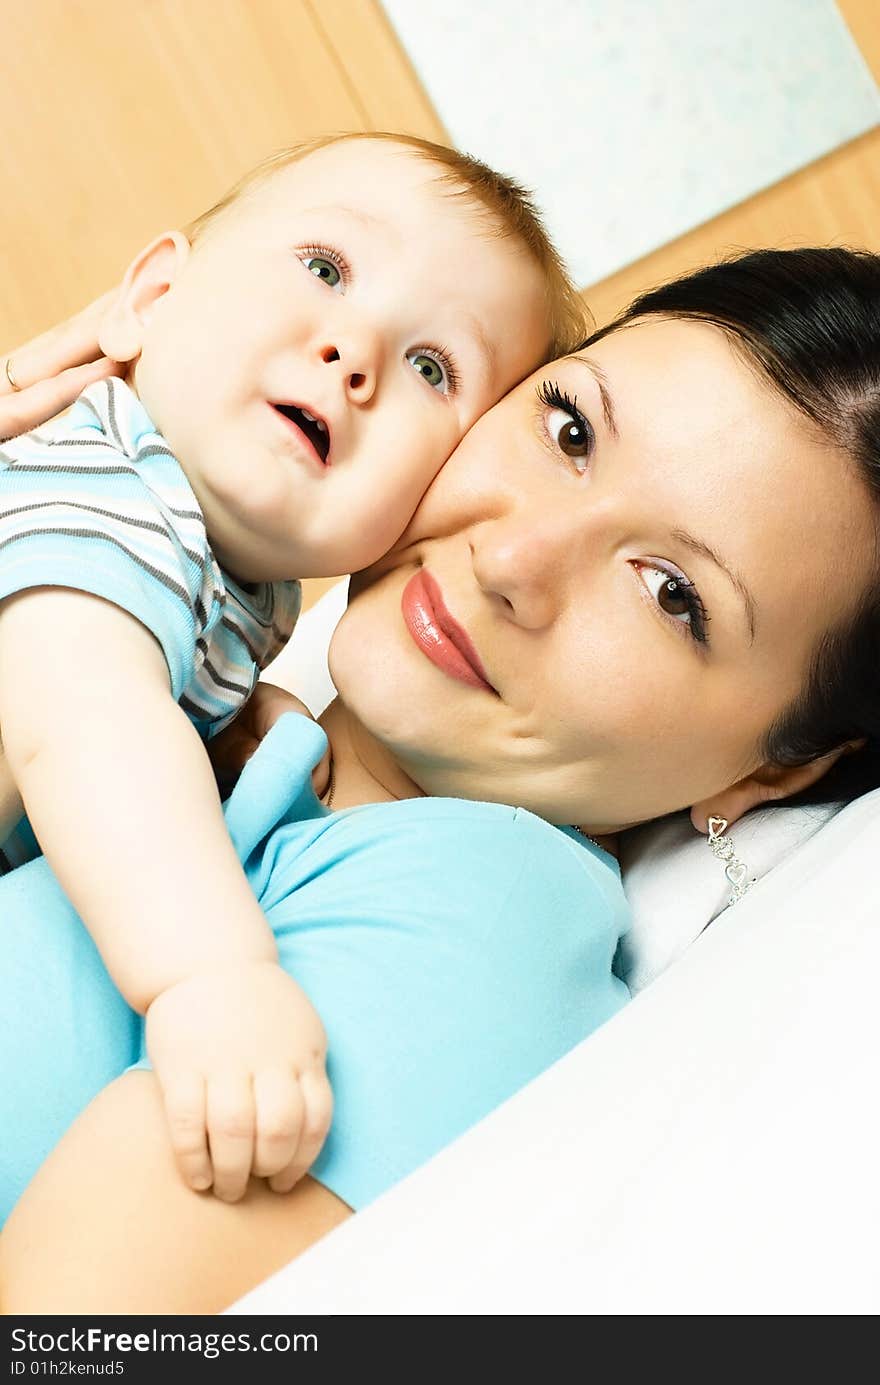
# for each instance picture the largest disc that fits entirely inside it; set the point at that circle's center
(230, 751)
(46, 375)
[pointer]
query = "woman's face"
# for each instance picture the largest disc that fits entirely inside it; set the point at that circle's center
(612, 588)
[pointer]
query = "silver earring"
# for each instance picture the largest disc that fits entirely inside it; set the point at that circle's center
(737, 871)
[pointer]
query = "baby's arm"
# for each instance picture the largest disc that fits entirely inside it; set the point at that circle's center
(120, 793)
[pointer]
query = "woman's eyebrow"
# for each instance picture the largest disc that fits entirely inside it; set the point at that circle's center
(601, 379)
(698, 546)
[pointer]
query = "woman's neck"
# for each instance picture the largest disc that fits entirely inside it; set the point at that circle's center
(362, 769)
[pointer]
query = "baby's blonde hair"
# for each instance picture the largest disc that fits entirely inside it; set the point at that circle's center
(512, 212)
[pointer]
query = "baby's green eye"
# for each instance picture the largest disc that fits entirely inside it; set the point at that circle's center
(323, 269)
(430, 369)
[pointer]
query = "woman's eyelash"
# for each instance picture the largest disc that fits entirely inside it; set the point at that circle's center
(552, 396)
(549, 393)
(698, 616)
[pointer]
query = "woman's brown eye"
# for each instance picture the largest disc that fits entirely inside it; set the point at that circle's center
(677, 598)
(671, 598)
(573, 440)
(573, 436)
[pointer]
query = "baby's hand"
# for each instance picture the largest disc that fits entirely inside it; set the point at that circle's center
(239, 1053)
(230, 751)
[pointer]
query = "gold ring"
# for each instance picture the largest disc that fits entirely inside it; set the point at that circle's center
(9, 375)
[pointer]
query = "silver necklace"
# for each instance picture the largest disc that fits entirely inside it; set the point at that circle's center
(331, 787)
(581, 831)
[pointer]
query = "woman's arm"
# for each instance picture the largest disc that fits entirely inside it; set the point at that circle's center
(107, 1226)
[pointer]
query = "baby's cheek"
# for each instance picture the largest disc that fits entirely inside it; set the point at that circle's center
(367, 537)
(260, 491)
(411, 470)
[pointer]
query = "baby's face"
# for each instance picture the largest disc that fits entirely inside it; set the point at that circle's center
(325, 347)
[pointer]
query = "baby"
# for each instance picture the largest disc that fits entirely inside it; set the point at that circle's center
(301, 363)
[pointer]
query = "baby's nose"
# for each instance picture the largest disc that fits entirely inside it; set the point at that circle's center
(359, 363)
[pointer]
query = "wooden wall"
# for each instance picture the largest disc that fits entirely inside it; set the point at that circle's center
(120, 118)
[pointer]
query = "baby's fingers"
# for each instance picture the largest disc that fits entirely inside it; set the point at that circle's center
(280, 1112)
(318, 1102)
(185, 1112)
(230, 1113)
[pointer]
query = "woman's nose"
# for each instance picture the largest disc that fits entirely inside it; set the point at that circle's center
(358, 355)
(525, 562)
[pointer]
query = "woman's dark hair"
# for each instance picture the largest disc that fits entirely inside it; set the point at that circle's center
(810, 321)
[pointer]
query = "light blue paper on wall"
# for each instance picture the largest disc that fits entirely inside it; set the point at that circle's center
(636, 120)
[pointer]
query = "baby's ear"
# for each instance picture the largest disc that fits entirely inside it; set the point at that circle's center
(147, 279)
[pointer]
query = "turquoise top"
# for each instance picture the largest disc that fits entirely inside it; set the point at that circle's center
(453, 949)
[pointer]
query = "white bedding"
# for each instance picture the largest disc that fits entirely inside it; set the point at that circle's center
(712, 1150)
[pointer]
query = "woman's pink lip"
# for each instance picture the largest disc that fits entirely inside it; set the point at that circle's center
(438, 634)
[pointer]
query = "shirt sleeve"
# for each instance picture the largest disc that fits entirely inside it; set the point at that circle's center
(116, 545)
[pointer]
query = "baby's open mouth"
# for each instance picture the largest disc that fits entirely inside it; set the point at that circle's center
(314, 428)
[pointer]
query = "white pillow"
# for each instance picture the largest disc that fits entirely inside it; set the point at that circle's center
(676, 887)
(301, 667)
(674, 884)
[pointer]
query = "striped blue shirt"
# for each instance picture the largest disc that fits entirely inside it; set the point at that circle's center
(103, 506)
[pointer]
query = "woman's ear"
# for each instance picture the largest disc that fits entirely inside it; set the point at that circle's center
(765, 785)
(147, 279)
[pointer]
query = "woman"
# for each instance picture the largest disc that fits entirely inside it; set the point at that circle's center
(625, 593)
